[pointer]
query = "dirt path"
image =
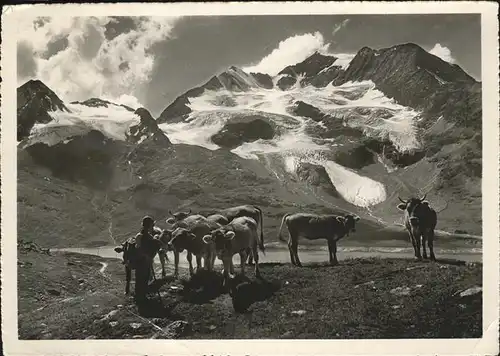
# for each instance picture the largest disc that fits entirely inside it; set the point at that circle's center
(103, 268)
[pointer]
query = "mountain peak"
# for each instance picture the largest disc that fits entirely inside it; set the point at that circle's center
(34, 102)
(98, 102)
(146, 130)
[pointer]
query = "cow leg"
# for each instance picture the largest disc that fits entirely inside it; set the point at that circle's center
(212, 260)
(424, 250)
(189, 258)
(250, 257)
(292, 256)
(334, 262)
(198, 263)
(412, 239)
(231, 266)
(163, 257)
(243, 259)
(430, 241)
(128, 276)
(295, 246)
(176, 264)
(256, 258)
(417, 246)
(293, 243)
(330, 252)
(228, 266)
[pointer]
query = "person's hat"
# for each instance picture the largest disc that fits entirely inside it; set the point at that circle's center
(147, 220)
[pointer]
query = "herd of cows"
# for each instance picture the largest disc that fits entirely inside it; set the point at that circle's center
(236, 231)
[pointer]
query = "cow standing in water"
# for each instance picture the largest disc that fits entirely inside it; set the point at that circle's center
(313, 227)
(420, 220)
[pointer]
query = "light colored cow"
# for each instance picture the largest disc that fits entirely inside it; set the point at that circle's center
(239, 236)
(313, 227)
(187, 234)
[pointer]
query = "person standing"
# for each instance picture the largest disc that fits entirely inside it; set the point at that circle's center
(146, 247)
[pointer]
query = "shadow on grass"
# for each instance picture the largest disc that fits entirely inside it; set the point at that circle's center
(202, 287)
(244, 292)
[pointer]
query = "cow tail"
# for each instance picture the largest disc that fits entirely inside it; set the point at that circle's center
(281, 227)
(261, 245)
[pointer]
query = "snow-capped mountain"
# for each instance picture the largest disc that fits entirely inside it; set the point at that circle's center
(348, 133)
(34, 102)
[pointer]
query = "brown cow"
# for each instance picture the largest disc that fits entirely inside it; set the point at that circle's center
(420, 220)
(313, 227)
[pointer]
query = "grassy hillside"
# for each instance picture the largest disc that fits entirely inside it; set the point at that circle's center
(105, 203)
(70, 296)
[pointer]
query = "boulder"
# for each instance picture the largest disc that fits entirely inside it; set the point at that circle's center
(246, 129)
(286, 82)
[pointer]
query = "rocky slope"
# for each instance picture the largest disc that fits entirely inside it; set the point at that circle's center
(347, 137)
(34, 102)
(99, 103)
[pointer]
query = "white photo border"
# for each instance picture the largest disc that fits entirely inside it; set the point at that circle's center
(487, 345)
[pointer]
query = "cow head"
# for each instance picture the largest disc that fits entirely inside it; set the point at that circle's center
(349, 222)
(221, 238)
(128, 250)
(413, 208)
(164, 238)
(178, 216)
(181, 239)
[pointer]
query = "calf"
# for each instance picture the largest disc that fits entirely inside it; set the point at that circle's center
(187, 235)
(239, 236)
(250, 211)
(420, 220)
(313, 227)
(132, 258)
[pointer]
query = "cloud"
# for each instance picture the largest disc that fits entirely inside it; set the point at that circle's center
(26, 64)
(125, 99)
(290, 51)
(340, 26)
(75, 58)
(442, 52)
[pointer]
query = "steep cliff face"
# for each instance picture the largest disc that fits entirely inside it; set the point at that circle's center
(409, 74)
(306, 70)
(233, 80)
(34, 102)
(146, 130)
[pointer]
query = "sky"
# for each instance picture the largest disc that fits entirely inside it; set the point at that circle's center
(149, 61)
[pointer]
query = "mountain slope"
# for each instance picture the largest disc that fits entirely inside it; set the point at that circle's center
(34, 102)
(347, 136)
(97, 102)
(376, 113)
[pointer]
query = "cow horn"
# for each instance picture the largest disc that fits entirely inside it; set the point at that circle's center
(422, 199)
(402, 201)
(170, 212)
(189, 212)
